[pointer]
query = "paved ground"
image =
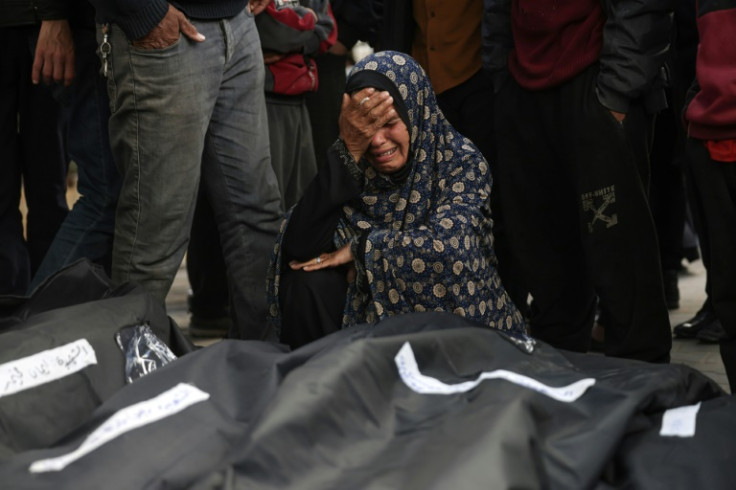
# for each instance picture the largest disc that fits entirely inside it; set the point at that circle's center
(704, 357)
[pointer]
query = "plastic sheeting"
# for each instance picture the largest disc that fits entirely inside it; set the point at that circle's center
(58, 364)
(340, 414)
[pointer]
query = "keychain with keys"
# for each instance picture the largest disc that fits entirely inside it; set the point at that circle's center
(105, 50)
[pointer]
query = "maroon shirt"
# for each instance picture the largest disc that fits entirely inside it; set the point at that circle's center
(554, 40)
(712, 112)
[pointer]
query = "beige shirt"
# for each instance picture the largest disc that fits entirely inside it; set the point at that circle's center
(447, 40)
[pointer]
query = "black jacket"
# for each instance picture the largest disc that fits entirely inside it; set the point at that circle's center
(636, 41)
(358, 20)
(137, 17)
(32, 12)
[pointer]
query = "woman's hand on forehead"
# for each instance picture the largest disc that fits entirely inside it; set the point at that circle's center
(362, 114)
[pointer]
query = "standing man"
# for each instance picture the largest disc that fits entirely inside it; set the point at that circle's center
(65, 56)
(186, 93)
(445, 38)
(32, 148)
(711, 119)
(577, 83)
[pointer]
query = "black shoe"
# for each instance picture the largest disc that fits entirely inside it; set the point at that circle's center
(711, 333)
(690, 328)
(671, 291)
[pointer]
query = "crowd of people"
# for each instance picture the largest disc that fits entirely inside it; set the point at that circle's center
(522, 164)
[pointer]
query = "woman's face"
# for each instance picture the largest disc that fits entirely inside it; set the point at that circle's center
(389, 148)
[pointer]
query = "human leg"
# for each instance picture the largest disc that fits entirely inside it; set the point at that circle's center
(542, 252)
(469, 108)
(14, 265)
(617, 230)
(292, 150)
(238, 178)
(667, 201)
(209, 298)
(88, 229)
(717, 183)
(161, 102)
(324, 105)
(44, 160)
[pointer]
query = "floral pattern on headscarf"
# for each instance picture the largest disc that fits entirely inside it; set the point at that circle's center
(428, 245)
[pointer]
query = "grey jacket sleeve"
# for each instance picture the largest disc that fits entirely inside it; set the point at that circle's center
(497, 39)
(636, 42)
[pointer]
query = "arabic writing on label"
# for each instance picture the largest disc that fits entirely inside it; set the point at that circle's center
(43, 367)
(409, 373)
(142, 413)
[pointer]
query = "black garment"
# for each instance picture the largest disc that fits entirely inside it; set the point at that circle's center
(315, 217)
(324, 104)
(292, 154)
(667, 190)
(205, 264)
(469, 108)
(717, 184)
(32, 149)
(314, 301)
(137, 17)
(31, 12)
(573, 199)
(636, 39)
(313, 304)
(668, 197)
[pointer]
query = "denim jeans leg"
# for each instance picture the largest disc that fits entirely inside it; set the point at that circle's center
(239, 179)
(88, 229)
(161, 102)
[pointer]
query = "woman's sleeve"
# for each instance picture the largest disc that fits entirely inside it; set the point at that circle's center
(314, 218)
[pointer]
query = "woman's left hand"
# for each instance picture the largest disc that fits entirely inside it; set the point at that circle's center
(337, 258)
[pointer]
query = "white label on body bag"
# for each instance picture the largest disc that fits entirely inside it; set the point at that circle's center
(143, 413)
(46, 366)
(409, 372)
(679, 422)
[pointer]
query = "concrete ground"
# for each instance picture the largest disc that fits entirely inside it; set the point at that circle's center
(703, 357)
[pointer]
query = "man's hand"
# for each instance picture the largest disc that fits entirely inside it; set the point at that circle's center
(619, 116)
(338, 48)
(166, 33)
(54, 58)
(269, 57)
(258, 6)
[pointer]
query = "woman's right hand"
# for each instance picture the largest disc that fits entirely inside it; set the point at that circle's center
(341, 256)
(361, 116)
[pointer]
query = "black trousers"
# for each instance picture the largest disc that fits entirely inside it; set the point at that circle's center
(206, 266)
(667, 192)
(716, 182)
(571, 184)
(31, 143)
(324, 104)
(469, 108)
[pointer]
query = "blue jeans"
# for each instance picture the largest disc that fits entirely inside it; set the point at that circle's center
(88, 229)
(187, 111)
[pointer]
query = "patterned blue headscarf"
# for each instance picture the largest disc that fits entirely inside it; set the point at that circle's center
(428, 241)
